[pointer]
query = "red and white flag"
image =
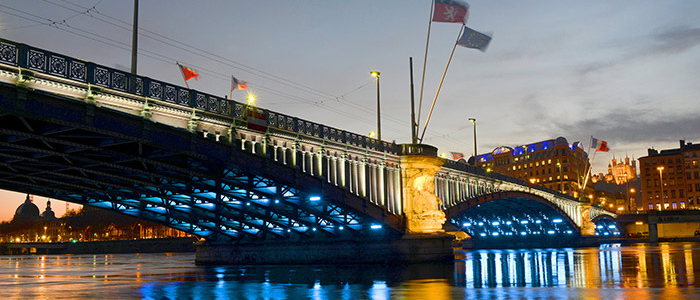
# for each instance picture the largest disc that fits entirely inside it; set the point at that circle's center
(457, 155)
(450, 11)
(599, 145)
(238, 84)
(188, 73)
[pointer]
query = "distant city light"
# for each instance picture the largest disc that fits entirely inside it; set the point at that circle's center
(314, 198)
(376, 226)
(557, 221)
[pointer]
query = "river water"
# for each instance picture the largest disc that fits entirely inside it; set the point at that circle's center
(663, 271)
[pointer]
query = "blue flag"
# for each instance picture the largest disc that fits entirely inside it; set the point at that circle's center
(473, 39)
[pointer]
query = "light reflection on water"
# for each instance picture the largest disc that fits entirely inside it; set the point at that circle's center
(640, 272)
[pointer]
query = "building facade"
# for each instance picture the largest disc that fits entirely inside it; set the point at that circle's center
(671, 178)
(554, 164)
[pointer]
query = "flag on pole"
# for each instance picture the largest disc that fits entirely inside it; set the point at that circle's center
(473, 39)
(188, 73)
(457, 155)
(450, 11)
(599, 145)
(238, 84)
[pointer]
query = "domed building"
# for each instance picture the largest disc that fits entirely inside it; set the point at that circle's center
(26, 212)
(48, 214)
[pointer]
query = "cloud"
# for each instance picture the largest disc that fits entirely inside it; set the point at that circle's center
(632, 126)
(674, 40)
(667, 41)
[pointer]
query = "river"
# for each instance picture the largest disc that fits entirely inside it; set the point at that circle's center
(663, 271)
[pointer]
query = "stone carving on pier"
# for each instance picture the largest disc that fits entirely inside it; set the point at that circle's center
(587, 226)
(421, 205)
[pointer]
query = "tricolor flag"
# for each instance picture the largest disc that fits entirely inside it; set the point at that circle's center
(599, 145)
(450, 11)
(188, 73)
(457, 155)
(238, 84)
(473, 39)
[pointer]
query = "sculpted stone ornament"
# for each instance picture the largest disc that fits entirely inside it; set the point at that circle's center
(587, 226)
(422, 206)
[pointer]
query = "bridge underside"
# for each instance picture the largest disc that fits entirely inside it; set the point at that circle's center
(512, 216)
(76, 152)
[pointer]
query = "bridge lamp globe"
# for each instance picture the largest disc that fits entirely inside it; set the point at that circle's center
(372, 134)
(250, 99)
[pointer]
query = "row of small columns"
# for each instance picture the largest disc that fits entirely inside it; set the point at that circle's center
(454, 189)
(378, 183)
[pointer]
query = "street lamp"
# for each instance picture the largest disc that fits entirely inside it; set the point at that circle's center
(635, 199)
(375, 74)
(661, 177)
(473, 120)
(561, 183)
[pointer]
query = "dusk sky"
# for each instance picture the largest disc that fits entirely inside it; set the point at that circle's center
(626, 72)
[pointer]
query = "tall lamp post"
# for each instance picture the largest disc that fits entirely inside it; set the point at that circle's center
(633, 198)
(375, 74)
(561, 184)
(473, 120)
(661, 177)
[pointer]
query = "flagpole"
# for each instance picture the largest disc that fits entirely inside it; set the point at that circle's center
(440, 85)
(590, 167)
(231, 91)
(425, 61)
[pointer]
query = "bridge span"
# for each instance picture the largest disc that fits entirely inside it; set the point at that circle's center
(244, 178)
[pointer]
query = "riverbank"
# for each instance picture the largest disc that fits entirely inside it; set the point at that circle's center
(102, 247)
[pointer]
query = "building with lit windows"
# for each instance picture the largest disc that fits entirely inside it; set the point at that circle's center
(671, 178)
(554, 164)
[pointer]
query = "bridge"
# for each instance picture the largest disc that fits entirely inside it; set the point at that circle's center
(243, 178)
